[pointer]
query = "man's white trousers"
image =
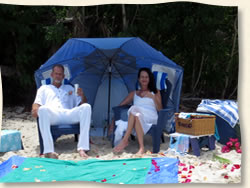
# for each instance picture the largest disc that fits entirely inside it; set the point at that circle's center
(49, 116)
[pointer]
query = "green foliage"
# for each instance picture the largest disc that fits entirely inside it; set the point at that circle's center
(185, 32)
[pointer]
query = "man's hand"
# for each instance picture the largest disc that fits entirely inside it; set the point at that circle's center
(34, 111)
(81, 94)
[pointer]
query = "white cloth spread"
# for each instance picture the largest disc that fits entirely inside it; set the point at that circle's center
(145, 109)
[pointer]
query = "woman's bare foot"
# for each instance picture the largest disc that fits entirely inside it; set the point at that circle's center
(83, 154)
(140, 151)
(120, 146)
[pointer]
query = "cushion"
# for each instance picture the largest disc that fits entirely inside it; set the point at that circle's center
(48, 81)
(160, 79)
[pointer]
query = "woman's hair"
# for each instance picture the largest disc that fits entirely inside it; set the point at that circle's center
(151, 84)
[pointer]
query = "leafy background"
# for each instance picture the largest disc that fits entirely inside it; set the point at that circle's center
(201, 38)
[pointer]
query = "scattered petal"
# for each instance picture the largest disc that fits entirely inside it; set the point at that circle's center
(26, 169)
(237, 166)
(37, 180)
(14, 166)
(185, 169)
(104, 180)
(226, 176)
(182, 164)
(42, 170)
(224, 166)
(124, 163)
(191, 167)
(183, 176)
(114, 175)
(39, 166)
(186, 181)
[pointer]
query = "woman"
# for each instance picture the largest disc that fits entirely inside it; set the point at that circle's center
(143, 114)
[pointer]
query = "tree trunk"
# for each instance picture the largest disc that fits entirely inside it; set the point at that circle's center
(124, 19)
(231, 59)
(194, 70)
(203, 59)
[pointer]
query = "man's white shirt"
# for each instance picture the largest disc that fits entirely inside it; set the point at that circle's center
(63, 97)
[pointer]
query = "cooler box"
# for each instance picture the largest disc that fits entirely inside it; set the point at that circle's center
(10, 140)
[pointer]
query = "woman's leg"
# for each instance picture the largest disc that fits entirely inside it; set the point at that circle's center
(124, 142)
(140, 135)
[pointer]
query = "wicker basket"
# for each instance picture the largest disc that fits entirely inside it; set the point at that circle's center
(195, 125)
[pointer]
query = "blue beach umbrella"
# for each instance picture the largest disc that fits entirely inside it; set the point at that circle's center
(106, 69)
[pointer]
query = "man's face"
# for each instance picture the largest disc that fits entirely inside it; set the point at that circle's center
(57, 74)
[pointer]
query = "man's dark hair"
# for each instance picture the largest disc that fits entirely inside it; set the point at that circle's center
(58, 65)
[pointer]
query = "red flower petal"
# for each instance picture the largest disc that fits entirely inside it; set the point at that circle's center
(232, 169)
(14, 166)
(190, 171)
(188, 181)
(224, 166)
(226, 176)
(183, 176)
(185, 169)
(104, 180)
(179, 172)
(191, 166)
(114, 175)
(162, 154)
(182, 164)
(97, 156)
(237, 166)
(149, 173)
(124, 163)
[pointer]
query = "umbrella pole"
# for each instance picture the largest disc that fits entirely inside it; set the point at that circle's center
(107, 125)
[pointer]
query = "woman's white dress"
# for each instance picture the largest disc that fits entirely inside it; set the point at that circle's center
(145, 109)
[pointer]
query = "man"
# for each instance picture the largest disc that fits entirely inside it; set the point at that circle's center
(57, 103)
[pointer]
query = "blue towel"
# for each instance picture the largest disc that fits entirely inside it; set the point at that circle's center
(226, 109)
(180, 143)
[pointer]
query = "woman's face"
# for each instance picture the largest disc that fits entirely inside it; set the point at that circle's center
(144, 78)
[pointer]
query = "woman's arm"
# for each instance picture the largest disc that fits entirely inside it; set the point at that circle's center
(157, 99)
(128, 99)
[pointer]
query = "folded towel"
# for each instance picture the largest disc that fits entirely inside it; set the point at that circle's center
(184, 115)
(226, 109)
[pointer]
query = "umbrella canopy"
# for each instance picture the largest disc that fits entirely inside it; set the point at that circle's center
(106, 69)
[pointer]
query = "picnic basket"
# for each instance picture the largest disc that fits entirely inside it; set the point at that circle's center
(196, 124)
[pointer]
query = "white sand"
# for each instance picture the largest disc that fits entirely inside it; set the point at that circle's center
(206, 170)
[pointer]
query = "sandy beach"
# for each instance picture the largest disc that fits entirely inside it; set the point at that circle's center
(192, 169)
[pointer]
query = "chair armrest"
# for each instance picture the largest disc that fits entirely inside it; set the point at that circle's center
(165, 119)
(120, 112)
